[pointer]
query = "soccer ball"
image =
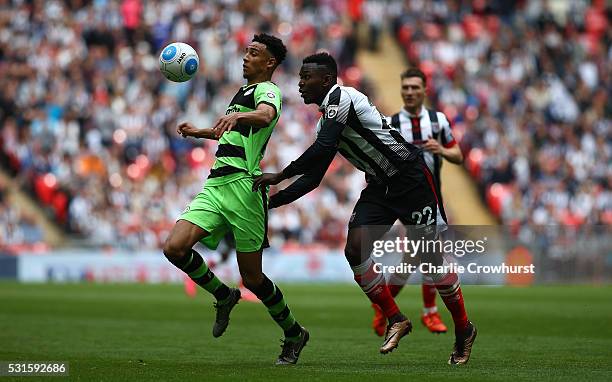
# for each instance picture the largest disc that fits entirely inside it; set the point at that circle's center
(179, 62)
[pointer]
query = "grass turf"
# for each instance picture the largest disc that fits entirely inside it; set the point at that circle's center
(144, 332)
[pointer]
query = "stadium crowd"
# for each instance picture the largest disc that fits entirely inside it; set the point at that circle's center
(88, 122)
(527, 85)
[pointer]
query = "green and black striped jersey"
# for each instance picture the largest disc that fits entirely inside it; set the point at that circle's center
(241, 149)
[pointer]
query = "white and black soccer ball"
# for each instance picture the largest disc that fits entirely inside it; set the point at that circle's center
(179, 62)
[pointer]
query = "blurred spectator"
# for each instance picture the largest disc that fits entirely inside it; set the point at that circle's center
(17, 230)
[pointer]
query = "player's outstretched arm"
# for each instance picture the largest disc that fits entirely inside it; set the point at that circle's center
(187, 129)
(303, 185)
(317, 153)
(313, 163)
(318, 156)
(260, 117)
(323, 149)
(306, 183)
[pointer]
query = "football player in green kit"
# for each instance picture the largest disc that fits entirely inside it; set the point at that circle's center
(227, 202)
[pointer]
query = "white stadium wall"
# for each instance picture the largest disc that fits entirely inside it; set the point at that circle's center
(154, 268)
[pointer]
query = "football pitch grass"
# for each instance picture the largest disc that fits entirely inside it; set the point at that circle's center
(156, 333)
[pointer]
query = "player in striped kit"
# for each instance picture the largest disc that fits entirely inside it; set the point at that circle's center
(400, 186)
(430, 130)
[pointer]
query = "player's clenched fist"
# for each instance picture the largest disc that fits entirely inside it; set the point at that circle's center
(187, 129)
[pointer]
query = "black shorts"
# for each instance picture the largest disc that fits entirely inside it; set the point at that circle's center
(411, 198)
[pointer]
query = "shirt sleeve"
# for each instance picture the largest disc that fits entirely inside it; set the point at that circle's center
(446, 134)
(303, 185)
(334, 120)
(268, 93)
(323, 149)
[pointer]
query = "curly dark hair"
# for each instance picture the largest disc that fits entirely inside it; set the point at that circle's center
(274, 45)
(323, 59)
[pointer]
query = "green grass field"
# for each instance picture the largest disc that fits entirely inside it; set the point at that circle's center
(143, 332)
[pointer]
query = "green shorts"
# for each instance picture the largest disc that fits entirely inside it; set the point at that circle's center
(231, 207)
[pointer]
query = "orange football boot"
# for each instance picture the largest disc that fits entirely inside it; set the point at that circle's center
(433, 322)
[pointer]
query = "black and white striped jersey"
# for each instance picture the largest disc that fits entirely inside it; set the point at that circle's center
(417, 129)
(351, 125)
(367, 141)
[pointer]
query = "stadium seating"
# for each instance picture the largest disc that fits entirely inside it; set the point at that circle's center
(527, 87)
(88, 123)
